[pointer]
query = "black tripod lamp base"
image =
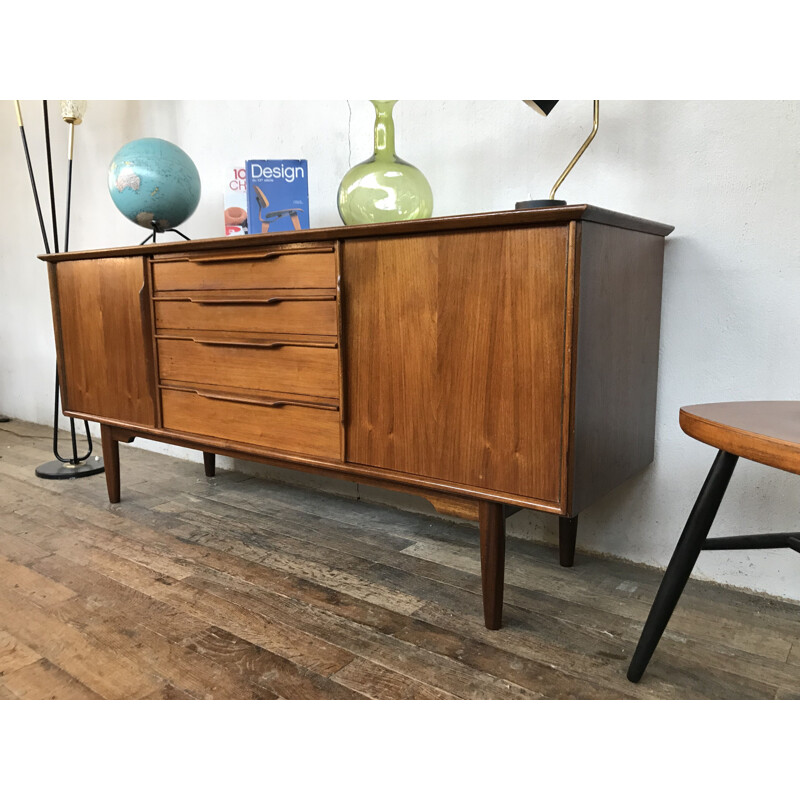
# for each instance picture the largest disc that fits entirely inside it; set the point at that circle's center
(539, 204)
(58, 470)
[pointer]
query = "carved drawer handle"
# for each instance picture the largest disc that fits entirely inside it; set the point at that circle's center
(251, 301)
(270, 403)
(264, 345)
(253, 256)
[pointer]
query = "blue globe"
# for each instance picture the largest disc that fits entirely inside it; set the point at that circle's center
(154, 180)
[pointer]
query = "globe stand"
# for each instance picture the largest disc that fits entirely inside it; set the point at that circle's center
(158, 229)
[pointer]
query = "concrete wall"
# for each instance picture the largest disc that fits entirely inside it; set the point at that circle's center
(724, 174)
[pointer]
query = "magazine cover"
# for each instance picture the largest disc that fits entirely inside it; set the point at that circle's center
(277, 195)
(235, 201)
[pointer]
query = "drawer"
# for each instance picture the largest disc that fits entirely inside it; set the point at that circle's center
(268, 365)
(283, 426)
(279, 313)
(265, 268)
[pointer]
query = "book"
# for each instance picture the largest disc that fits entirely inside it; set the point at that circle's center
(277, 195)
(235, 201)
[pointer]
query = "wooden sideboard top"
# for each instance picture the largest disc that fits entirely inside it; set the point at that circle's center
(493, 219)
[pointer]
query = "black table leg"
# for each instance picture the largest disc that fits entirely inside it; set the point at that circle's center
(683, 560)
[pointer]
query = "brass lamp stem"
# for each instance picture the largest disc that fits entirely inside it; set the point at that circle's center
(596, 120)
(71, 139)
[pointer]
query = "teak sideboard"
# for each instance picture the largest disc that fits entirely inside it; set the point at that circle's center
(488, 362)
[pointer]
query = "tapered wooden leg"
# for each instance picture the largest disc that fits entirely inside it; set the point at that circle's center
(210, 464)
(567, 534)
(683, 560)
(111, 462)
(493, 553)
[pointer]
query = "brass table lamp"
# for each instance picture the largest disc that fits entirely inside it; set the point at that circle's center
(544, 107)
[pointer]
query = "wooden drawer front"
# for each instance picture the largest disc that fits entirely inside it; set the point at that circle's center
(311, 268)
(290, 428)
(311, 370)
(272, 315)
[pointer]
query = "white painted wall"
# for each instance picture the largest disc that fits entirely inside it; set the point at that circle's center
(724, 174)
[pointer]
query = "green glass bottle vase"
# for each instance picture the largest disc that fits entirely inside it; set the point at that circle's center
(384, 188)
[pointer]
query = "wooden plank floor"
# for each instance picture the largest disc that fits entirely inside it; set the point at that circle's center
(234, 587)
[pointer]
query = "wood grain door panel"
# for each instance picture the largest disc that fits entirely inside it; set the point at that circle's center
(104, 339)
(454, 351)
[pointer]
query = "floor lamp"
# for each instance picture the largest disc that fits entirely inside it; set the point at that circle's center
(72, 113)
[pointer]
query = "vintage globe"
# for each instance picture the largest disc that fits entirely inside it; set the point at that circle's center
(152, 180)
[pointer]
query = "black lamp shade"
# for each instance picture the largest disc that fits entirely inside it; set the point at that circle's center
(544, 107)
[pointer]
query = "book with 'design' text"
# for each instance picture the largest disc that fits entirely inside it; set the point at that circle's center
(277, 195)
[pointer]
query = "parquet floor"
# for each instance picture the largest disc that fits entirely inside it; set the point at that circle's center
(234, 587)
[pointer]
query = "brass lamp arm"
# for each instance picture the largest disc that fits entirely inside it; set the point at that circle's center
(596, 120)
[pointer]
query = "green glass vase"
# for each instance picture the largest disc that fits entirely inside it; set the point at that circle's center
(384, 188)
